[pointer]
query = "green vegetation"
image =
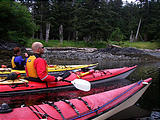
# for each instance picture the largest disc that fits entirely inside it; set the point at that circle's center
(141, 45)
(116, 35)
(81, 23)
(101, 44)
(56, 43)
(15, 22)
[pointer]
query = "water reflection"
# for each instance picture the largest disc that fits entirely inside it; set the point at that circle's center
(38, 98)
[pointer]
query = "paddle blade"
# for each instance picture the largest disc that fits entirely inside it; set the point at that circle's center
(81, 84)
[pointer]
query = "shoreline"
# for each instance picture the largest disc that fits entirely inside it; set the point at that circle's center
(110, 53)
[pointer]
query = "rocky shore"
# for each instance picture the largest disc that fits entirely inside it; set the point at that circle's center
(110, 53)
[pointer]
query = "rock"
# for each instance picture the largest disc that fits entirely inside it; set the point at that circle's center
(111, 53)
(9, 46)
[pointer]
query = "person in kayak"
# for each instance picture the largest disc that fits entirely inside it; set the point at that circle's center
(36, 66)
(18, 63)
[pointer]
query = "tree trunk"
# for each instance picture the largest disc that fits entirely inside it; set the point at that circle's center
(73, 2)
(41, 33)
(131, 37)
(145, 37)
(61, 33)
(47, 31)
(76, 35)
(33, 35)
(138, 30)
(87, 38)
(41, 21)
(69, 36)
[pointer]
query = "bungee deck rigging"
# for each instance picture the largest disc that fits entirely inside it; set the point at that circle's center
(101, 106)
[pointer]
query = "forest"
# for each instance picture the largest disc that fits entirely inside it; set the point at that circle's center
(79, 20)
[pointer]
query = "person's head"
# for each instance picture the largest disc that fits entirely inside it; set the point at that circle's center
(38, 47)
(17, 51)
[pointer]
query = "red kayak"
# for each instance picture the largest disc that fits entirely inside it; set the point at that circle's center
(97, 76)
(98, 106)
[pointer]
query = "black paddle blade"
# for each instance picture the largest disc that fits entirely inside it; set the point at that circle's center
(66, 74)
(13, 76)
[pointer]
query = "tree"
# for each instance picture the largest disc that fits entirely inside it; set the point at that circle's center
(151, 20)
(16, 22)
(116, 35)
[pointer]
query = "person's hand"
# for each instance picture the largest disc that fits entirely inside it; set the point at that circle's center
(59, 79)
(25, 54)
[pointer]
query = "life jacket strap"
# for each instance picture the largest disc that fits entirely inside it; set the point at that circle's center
(35, 79)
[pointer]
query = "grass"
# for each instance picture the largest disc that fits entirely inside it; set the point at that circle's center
(78, 44)
(97, 44)
(141, 45)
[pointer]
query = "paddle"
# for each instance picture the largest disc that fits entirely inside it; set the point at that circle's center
(2, 80)
(80, 84)
(12, 76)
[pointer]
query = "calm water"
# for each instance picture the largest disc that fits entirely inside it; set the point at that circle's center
(147, 105)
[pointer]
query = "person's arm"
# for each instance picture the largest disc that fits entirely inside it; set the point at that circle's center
(26, 57)
(40, 65)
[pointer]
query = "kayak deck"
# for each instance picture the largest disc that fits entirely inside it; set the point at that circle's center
(98, 106)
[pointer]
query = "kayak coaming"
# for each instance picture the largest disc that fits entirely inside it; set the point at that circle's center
(38, 87)
(56, 68)
(103, 105)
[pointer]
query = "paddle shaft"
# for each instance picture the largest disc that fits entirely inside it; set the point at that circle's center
(2, 80)
(66, 81)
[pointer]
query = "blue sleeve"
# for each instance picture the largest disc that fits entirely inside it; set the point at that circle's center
(26, 60)
(19, 60)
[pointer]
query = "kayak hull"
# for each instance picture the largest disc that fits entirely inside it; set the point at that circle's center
(98, 106)
(94, 77)
(129, 102)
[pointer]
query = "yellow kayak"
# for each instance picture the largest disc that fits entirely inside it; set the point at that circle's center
(51, 68)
